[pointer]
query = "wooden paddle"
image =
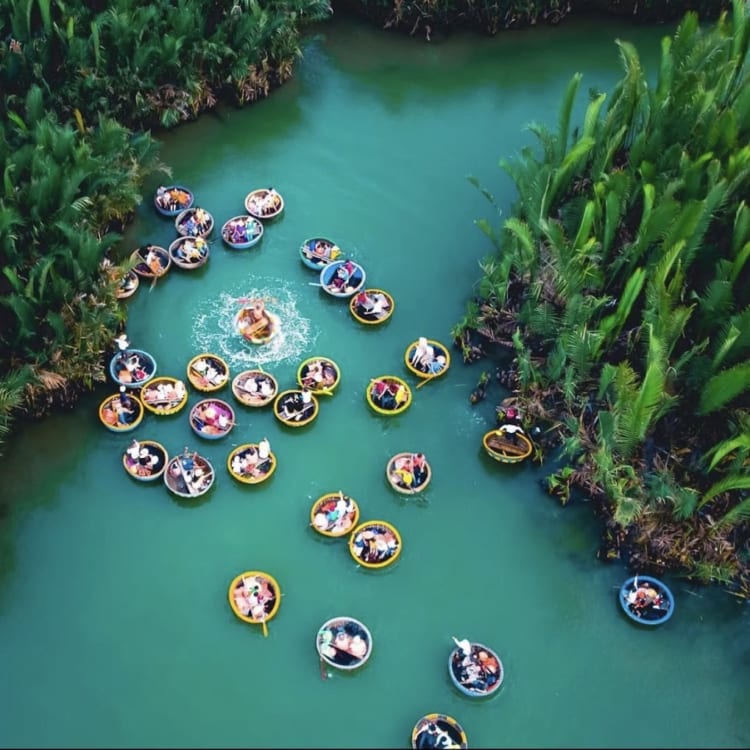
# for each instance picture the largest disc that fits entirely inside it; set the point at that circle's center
(425, 380)
(265, 627)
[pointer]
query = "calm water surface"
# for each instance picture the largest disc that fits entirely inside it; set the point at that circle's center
(114, 624)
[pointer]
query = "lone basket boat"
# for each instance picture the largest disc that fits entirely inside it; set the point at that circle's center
(475, 669)
(194, 222)
(375, 544)
(508, 444)
(438, 730)
(189, 252)
(212, 418)
(170, 201)
(189, 475)
(334, 514)
(427, 358)
(128, 285)
(319, 375)
(372, 306)
(145, 460)
(151, 261)
(249, 464)
(121, 412)
(344, 643)
(242, 232)
(316, 252)
(264, 203)
(295, 408)
(255, 387)
(342, 278)
(256, 324)
(132, 367)
(164, 395)
(646, 600)
(388, 394)
(255, 597)
(408, 473)
(208, 372)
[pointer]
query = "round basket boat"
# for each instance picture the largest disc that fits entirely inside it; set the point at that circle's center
(189, 252)
(508, 444)
(194, 222)
(151, 261)
(207, 372)
(128, 285)
(145, 460)
(257, 331)
(372, 307)
(316, 252)
(408, 473)
(438, 730)
(189, 475)
(242, 232)
(342, 278)
(344, 643)
(255, 597)
(132, 367)
(646, 600)
(475, 669)
(375, 544)
(245, 464)
(264, 203)
(212, 418)
(334, 514)
(319, 375)
(388, 394)
(291, 408)
(172, 200)
(255, 388)
(427, 358)
(121, 412)
(164, 395)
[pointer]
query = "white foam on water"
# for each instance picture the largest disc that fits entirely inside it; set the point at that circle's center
(214, 329)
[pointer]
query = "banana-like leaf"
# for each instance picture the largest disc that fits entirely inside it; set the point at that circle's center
(723, 387)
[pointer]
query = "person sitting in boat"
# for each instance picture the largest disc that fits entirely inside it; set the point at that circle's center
(400, 394)
(403, 476)
(643, 598)
(266, 388)
(152, 259)
(264, 455)
(423, 355)
(124, 407)
(511, 431)
(313, 377)
(419, 467)
(133, 450)
(432, 736)
(190, 225)
(365, 303)
(437, 364)
(202, 221)
(192, 250)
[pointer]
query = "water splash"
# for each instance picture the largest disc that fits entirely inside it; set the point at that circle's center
(214, 330)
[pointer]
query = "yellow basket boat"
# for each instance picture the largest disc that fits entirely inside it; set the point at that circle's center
(375, 544)
(388, 394)
(255, 387)
(371, 307)
(408, 473)
(334, 514)
(246, 466)
(121, 412)
(319, 375)
(207, 372)
(255, 597)
(291, 409)
(508, 444)
(164, 395)
(427, 358)
(438, 730)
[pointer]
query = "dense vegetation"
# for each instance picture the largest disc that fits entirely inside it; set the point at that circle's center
(620, 290)
(424, 17)
(81, 84)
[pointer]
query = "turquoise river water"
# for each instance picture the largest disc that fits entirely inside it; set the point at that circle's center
(115, 629)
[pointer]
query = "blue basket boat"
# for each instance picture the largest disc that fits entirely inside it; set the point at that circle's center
(646, 600)
(342, 278)
(132, 367)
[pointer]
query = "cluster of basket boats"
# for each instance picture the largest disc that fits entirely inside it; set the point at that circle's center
(342, 642)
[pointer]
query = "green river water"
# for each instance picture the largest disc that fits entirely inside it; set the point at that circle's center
(115, 629)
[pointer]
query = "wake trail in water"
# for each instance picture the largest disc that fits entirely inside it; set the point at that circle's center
(214, 329)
